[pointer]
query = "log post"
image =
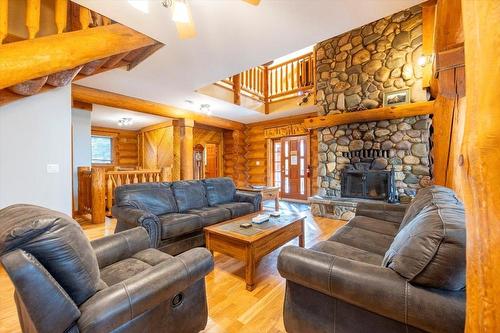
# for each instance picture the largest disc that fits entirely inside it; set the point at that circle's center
(83, 191)
(478, 158)
(166, 174)
(98, 195)
(4, 19)
(186, 138)
(237, 89)
(61, 15)
(266, 90)
(109, 194)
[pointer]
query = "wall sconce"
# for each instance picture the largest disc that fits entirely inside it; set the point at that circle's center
(424, 60)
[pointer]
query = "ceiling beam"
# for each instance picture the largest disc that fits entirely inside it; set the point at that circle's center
(34, 58)
(385, 113)
(107, 98)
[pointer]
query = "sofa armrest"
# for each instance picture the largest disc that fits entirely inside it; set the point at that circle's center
(374, 288)
(254, 198)
(122, 302)
(122, 245)
(133, 217)
(382, 211)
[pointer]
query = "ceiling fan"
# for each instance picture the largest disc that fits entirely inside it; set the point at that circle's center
(183, 19)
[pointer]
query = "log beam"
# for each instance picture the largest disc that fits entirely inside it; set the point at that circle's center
(385, 113)
(31, 59)
(102, 97)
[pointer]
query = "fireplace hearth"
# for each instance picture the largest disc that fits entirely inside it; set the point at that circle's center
(359, 181)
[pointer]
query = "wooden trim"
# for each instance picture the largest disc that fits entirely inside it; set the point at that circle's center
(107, 98)
(30, 59)
(283, 121)
(82, 106)
(385, 113)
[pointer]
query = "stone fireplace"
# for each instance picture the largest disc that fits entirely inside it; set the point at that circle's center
(400, 146)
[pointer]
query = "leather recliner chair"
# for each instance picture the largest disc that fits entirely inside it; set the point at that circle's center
(64, 283)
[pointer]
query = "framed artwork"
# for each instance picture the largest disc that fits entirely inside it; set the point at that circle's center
(397, 97)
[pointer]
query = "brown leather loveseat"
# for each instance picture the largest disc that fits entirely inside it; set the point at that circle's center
(389, 269)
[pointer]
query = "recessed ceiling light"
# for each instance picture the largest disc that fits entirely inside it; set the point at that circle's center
(205, 108)
(125, 122)
(188, 101)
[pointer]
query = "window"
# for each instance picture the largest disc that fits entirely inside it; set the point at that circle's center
(102, 150)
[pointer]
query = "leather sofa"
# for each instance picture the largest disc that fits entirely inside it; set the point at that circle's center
(174, 214)
(391, 268)
(64, 283)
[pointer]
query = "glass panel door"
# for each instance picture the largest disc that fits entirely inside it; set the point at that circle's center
(294, 172)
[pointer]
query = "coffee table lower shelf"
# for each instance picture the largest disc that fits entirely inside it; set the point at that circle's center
(250, 249)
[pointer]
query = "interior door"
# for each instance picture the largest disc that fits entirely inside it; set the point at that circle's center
(293, 167)
(212, 160)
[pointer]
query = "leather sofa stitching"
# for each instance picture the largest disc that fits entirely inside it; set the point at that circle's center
(131, 311)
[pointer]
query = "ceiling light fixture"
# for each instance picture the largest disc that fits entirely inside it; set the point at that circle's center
(205, 108)
(125, 122)
(180, 10)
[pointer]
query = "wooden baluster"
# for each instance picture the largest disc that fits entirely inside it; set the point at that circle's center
(157, 177)
(4, 19)
(286, 77)
(143, 178)
(119, 180)
(97, 20)
(265, 90)
(85, 17)
(98, 195)
(109, 193)
(32, 17)
(136, 180)
(150, 178)
(127, 179)
(106, 20)
(61, 15)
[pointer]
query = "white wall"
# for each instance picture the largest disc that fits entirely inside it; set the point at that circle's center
(34, 132)
(82, 146)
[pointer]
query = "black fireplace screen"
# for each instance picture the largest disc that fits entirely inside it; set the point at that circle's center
(368, 184)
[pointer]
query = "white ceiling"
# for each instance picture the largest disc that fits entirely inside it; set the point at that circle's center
(232, 36)
(103, 116)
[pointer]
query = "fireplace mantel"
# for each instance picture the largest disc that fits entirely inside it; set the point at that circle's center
(385, 113)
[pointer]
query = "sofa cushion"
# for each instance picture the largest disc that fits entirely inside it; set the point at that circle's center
(219, 190)
(155, 198)
(363, 239)
(238, 209)
(57, 242)
(211, 215)
(348, 252)
(424, 197)
(430, 250)
(176, 224)
(190, 194)
(380, 226)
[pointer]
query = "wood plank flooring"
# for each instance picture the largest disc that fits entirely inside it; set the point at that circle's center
(231, 307)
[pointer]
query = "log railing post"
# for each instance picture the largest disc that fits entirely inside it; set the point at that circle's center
(83, 191)
(109, 193)
(166, 174)
(98, 195)
(61, 15)
(266, 89)
(32, 17)
(4, 19)
(237, 89)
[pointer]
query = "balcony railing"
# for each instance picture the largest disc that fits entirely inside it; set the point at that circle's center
(269, 84)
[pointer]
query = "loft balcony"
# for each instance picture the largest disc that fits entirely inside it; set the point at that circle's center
(269, 88)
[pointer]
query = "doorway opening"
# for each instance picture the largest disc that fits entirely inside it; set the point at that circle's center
(211, 160)
(291, 166)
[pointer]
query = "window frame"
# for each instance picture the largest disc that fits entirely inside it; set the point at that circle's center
(113, 150)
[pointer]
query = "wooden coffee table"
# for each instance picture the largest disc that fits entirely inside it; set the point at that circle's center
(250, 245)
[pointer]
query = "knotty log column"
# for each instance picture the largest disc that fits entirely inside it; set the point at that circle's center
(477, 165)
(186, 138)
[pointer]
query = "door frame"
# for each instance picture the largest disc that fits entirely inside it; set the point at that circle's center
(308, 159)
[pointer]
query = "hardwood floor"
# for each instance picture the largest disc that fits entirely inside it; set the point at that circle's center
(231, 307)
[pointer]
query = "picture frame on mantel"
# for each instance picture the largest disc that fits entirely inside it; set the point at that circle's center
(397, 97)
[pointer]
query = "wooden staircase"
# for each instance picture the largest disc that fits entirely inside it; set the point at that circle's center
(82, 43)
